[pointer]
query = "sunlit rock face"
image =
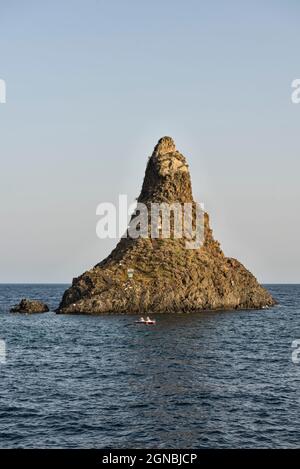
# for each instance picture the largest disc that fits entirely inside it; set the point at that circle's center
(161, 275)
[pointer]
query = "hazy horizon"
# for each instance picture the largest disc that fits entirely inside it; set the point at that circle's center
(92, 86)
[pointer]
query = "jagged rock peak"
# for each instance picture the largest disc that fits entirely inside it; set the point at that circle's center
(164, 145)
(167, 177)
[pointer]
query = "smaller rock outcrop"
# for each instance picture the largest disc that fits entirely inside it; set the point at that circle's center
(29, 307)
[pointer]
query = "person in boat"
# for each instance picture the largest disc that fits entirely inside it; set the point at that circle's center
(142, 319)
(148, 319)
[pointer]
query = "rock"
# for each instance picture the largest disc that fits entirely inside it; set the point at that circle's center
(167, 277)
(30, 307)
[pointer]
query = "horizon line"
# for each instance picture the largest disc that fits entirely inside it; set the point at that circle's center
(70, 283)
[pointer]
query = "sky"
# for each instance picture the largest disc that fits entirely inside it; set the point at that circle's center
(91, 87)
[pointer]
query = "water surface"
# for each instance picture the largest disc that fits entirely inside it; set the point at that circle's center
(210, 380)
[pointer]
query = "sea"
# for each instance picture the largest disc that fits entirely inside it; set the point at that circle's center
(226, 379)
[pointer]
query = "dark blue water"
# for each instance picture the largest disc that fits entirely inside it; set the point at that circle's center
(210, 380)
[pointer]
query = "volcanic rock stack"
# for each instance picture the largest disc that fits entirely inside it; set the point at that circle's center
(160, 275)
(29, 307)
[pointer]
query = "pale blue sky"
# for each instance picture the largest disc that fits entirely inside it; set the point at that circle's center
(91, 87)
